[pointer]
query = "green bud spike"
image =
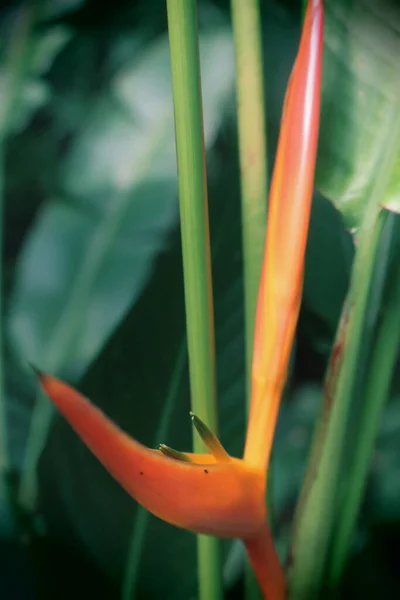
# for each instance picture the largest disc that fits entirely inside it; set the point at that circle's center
(175, 454)
(210, 440)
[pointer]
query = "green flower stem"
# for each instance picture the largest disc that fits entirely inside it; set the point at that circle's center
(317, 502)
(246, 23)
(253, 155)
(377, 387)
(185, 68)
(16, 65)
(317, 507)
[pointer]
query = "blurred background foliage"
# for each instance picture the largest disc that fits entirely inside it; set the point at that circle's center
(93, 282)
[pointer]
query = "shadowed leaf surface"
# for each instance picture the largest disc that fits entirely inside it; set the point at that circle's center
(362, 43)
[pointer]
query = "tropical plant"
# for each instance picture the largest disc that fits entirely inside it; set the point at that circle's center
(93, 294)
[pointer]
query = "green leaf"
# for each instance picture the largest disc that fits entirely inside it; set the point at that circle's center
(135, 143)
(88, 256)
(361, 90)
(329, 259)
(35, 92)
(293, 438)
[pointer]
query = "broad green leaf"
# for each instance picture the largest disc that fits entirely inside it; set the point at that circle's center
(293, 438)
(90, 252)
(329, 259)
(360, 102)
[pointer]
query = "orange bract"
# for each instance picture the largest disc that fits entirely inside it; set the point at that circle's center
(223, 499)
(288, 220)
(216, 494)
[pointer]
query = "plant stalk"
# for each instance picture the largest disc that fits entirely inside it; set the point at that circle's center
(317, 504)
(246, 21)
(377, 387)
(185, 68)
(318, 507)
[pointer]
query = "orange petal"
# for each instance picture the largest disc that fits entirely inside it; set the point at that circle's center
(288, 221)
(223, 499)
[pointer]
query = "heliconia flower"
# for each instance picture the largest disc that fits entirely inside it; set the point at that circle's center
(218, 494)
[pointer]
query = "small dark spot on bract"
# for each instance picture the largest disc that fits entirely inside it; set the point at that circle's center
(205, 471)
(141, 472)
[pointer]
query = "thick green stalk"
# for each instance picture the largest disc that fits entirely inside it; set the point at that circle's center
(246, 23)
(185, 68)
(377, 387)
(317, 506)
(14, 74)
(252, 154)
(317, 503)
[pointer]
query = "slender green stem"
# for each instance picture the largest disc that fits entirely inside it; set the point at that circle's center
(318, 500)
(16, 63)
(252, 153)
(377, 387)
(246, 23)
(185, 68)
